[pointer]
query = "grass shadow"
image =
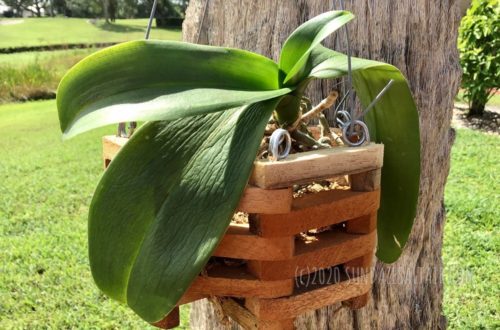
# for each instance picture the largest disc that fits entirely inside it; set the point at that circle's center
(112, 27)
(489, 122)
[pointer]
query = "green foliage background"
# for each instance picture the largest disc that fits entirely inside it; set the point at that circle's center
(479, 45)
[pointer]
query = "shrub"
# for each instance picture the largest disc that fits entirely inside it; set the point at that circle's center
(479, 42)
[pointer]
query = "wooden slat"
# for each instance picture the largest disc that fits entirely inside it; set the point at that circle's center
(254, 199)
(238, 313)
(111, 144)
(308, 299)
(366, 181)
(357, 267)
(170, 321)
(315, 165)
(247, 320)
(327, 163)
(332, 248)
(237, 282)
(190, 296)
(363, 225)
(276, 325)
(315, 211)
(257, 200)
(239, 243)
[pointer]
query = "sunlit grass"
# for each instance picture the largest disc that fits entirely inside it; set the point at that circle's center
(36, 75)
(471, 247)
(47, 31)
(47, 185)
(45, 189)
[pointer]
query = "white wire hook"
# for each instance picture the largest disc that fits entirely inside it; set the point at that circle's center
(275, 142)
(359, 131)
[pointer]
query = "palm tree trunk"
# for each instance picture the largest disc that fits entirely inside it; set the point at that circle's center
(419, 37)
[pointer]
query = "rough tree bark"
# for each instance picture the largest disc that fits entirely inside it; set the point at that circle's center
(419, 37)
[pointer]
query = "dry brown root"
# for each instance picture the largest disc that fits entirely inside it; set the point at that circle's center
(307, 140)
(263, 148)
(219, 310)
(323, 105)
(303, 139)
(326, 132)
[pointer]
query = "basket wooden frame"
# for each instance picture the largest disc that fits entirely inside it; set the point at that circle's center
(269, 290)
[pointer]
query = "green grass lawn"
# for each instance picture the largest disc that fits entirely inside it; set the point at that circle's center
(32, 74)
(471, 250)
(35, 75)
(45, 190)
(46, 31)
(47, 185)
(18, 60)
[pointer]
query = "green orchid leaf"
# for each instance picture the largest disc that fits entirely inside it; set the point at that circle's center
(298, 46)
(394, 122)
(166, 200)
(161, 80)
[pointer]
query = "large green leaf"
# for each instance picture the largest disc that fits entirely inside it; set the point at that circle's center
(304, 39)
(166, 200)
(393, 122)
(161, 80)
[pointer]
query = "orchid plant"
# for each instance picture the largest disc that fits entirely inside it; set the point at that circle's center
(166, 200)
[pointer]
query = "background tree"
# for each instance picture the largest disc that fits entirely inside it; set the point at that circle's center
(56, 7)
(128, 8)
(105, 10)
(167, 14)
(479, 44)
(35, 7)
(420, 38)
(87, 8)
(110, 8)
(16, 6)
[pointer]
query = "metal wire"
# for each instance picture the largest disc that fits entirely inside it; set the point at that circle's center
(122, 129)
(376, 99)
(347, 119)
(277, 138)
(363, 134)
(151, 17)
(203, 16)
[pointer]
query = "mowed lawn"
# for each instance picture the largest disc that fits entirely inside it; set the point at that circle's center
(47, 31)
(23, 59)
(30, 75)
(45, 189)
(47, 185)
(471, 251)
(35, 75)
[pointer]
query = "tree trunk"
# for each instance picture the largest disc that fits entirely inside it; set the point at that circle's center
(38, 10)
(105, 9)
(476, 108)
(51, 8)
(419, 37)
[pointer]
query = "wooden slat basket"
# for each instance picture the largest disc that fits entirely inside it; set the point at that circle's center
(268, 271)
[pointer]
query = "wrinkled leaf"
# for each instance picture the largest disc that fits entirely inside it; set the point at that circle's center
(165, 201)
(393, 122)
(161, 80)
(304, 39)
